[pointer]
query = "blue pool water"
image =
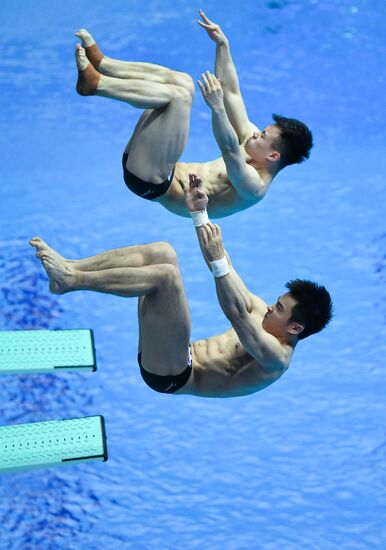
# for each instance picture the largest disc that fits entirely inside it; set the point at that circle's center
(300, 465)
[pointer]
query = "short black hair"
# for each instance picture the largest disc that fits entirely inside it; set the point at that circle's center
(295, 140)
(314, 308)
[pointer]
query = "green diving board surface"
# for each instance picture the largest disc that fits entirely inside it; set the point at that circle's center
(35, 351)
(52, 443)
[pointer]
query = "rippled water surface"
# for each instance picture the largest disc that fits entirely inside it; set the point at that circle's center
(300, 465)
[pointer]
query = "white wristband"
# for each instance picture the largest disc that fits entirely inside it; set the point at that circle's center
(220, 267)
(200, 217)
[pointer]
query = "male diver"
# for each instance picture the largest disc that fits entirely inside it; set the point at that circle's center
(250, 158)
(251, 355)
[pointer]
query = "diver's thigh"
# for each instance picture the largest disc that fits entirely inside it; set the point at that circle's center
(165, 326)
(159, 140)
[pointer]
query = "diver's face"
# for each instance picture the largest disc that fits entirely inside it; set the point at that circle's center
(260, 145)
(277, 316)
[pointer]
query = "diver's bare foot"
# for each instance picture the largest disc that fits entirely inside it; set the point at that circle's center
(93, 53)
(88, 77)
(62, 278)
(41, 245)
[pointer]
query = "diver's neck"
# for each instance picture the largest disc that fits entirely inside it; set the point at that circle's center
(266, 173)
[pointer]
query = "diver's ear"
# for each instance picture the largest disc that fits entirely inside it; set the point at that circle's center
(274, 156)
(296, 329)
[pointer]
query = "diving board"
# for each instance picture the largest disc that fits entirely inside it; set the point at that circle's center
(41, 351)
(52, 443)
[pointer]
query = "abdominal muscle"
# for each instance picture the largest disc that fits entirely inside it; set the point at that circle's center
(223, 198)
(222, 368)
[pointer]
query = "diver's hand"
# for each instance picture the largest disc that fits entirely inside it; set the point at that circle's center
(195, 197)
(214, 31)
(211, 90)
(212, 242)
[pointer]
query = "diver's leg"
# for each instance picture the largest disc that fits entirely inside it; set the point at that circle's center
(159, 139)
(127, 256)
(128, 69)
(165, 327)
(164, 313)
(161, 134)
(138, 93)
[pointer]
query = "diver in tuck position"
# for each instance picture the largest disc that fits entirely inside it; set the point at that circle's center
(251, 355)
(250, 158)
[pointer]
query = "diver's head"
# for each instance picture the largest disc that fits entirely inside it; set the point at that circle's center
(286, 142)
(304, 310)
(261, 146)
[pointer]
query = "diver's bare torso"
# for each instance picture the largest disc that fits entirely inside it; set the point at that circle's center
(222, 367)
(224, 200)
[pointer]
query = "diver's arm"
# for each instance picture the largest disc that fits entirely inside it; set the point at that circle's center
(243, 177)
(225, 70)
(196, 201)
(237, 304)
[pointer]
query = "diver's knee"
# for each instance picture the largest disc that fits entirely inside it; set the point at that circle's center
(163, 253)
(184, 80)
(170, 277)
(189, 84)
(182, 95)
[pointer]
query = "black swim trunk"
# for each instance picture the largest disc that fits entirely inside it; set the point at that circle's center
(166, 384)
(143, 188)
